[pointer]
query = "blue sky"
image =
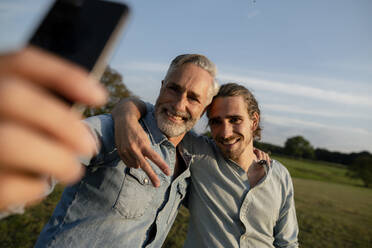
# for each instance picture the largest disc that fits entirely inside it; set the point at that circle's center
(309, 63)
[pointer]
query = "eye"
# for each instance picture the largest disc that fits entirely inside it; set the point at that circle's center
(213, 122)
(172, 87)
(193, 98)
(235, 120)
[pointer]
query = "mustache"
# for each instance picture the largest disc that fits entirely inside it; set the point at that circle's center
(221, 139)
(184, 115)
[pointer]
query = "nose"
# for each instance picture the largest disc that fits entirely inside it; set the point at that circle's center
(226, 130)
(181, 102)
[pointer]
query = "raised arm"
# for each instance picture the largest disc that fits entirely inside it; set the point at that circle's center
(132, 142)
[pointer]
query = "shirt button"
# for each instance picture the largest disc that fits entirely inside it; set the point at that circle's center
(145, 181)
(244, 237)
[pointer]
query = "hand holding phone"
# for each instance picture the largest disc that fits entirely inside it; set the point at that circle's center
(40, 135)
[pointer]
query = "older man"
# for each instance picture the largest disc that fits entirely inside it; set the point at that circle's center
(234, 201)
(117, 206)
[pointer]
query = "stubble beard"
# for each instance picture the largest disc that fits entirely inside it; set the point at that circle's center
(235, 154)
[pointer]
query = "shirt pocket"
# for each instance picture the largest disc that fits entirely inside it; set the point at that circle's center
(136, 194)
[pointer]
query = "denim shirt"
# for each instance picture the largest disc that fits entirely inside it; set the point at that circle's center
(117, 206)
(226, 212)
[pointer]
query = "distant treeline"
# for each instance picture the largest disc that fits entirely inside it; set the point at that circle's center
(319, 153)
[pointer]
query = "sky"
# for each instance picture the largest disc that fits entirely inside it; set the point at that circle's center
(309, 63)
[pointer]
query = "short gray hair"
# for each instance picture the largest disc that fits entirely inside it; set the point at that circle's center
(201, 61)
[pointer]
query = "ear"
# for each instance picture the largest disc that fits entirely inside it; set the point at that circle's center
(162, 85)
(255, 121)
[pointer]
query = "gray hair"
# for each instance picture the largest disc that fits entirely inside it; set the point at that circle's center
(201, 61)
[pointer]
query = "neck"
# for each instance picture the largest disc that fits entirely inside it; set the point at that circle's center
(246, 159)
(176, 140)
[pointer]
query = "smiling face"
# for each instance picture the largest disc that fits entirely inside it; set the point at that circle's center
(231, 127)
(182, 99)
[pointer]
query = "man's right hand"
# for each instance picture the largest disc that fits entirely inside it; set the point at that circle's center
(40, 136)
(132, 142)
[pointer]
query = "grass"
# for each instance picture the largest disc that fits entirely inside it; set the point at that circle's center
(318, 171)
(333, 215)
(23, 230)
(332, 210)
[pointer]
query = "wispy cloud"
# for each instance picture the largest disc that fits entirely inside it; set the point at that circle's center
(293, 122)
(269, 85)
(315, 112)
(299, 90)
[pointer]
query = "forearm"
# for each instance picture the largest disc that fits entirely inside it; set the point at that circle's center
(128, 109)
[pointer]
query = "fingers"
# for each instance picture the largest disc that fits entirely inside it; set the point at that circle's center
(54, 73)
(262, 156)
(24, 151)
(137, 160)
(27, 104)
(134, 148)
(157, 159)
(135, 157)
(16, 189)
(145, 166)
(39, 135)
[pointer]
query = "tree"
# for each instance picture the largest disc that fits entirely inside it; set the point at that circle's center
(268, 148)
(362, 168)
(113, 82)
(299, 147)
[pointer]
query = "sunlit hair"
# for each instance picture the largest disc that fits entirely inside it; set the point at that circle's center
(233, 89)
(201, 61)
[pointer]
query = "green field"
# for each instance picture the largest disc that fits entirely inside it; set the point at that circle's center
(332, 209)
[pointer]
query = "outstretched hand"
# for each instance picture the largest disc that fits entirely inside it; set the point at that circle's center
(40, 135)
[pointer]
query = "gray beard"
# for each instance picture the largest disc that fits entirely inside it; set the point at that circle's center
(169, 128)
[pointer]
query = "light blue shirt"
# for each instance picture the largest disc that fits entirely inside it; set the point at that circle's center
(114, 205)
(225, 212)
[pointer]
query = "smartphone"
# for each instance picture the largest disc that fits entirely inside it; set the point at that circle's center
(82, 31)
